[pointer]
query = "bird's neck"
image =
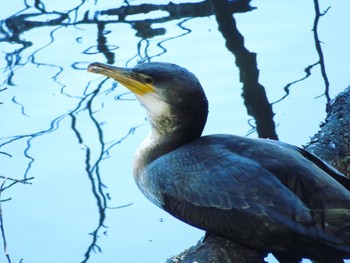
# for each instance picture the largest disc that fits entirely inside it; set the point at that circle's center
(171, 128)
(158, 143)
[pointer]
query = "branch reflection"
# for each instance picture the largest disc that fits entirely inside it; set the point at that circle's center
(318, 14)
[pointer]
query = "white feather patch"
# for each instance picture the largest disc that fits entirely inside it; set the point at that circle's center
(154, 105)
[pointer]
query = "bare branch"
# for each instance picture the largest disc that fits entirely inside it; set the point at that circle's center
(332, 142)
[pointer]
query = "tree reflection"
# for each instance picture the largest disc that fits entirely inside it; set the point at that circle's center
(36, 16)
(254, 94)
(320, 62)
(8, 182)
(92, 167)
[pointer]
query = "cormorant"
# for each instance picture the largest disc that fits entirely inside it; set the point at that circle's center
(264, 194)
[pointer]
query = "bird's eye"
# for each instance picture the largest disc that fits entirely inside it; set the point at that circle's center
(148, 80)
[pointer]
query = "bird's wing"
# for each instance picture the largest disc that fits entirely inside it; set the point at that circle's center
(215, 177)
(343, 180)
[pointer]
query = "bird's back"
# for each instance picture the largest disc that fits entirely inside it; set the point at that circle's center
(260, 193)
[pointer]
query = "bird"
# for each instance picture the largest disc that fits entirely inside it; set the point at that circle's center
(263, 194)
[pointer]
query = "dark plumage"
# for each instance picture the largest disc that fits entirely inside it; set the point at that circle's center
(263, 194)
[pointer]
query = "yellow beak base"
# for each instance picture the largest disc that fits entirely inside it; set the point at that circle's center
(132, 80)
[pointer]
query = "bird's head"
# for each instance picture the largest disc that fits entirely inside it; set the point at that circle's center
(173, 97)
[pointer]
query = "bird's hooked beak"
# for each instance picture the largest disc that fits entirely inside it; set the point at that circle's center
(138, 83)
